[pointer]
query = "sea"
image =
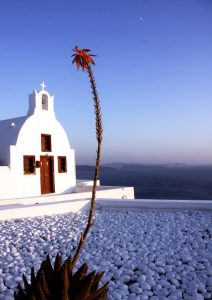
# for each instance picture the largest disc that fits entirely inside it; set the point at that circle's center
(168, 181)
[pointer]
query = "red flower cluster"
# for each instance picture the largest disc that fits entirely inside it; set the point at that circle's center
(82, 58)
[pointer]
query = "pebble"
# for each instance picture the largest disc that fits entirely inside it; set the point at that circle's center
(209, 281)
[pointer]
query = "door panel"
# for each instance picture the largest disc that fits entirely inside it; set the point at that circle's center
(47, 174)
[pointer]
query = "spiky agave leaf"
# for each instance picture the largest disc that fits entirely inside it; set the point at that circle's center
(58, 262)
(80, 288)
(20, 295)
(59, 283)
(63, 283)
(49, 272)
(96, 280)
(27, 286)
(81, 272)
(33, 277)
(100, 294)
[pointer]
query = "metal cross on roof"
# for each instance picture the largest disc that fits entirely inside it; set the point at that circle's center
(43, 86)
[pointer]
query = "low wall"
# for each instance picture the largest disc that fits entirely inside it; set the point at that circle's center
(15, 211)
(58, 204)
(34, 210)
(102, 192)
(154, 204)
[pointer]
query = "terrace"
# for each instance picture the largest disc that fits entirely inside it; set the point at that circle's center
(149, 249)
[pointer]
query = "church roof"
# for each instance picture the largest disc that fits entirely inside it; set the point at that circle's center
(9, 130)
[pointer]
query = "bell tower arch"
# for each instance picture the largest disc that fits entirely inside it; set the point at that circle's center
(41, 102)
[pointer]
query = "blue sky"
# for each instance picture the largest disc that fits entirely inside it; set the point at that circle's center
(153, 73)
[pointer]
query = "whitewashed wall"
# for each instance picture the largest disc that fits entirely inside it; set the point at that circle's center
(5, 182)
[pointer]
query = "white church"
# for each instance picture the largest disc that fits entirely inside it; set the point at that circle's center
(36, 158)
(35, 154)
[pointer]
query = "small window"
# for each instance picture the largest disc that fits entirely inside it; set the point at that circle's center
(44, 102)
(29, 164)
(62, 166)
(46, 144)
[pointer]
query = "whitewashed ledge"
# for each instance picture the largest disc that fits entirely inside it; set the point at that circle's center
(155, 204)
(18, 209)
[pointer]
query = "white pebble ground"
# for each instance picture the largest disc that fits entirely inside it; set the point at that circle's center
(153, 255)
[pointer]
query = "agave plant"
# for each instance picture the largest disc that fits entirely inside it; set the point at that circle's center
(59, 283)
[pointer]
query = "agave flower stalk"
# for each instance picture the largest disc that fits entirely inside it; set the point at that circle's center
(83, 59)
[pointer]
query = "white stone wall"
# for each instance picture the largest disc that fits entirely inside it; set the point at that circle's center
(5, 182)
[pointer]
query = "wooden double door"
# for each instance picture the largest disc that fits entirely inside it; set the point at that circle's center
(47, 174)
